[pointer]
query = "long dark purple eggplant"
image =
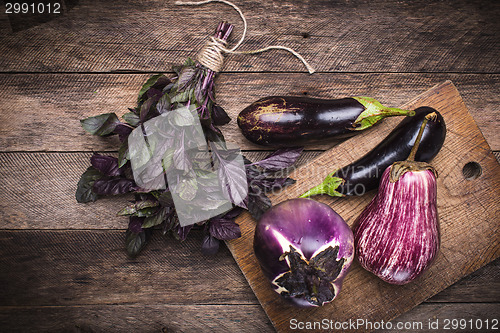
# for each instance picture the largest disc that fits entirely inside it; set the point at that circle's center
(288, 120)
(364, 174)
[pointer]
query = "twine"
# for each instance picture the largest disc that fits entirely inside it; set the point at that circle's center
(211, 55)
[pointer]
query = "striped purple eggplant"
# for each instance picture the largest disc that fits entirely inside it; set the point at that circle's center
(397, 235)
(305, 249)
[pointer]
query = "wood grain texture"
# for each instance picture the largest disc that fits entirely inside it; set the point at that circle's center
(202, 318)
(468, 290)
(82, 281)
(71, 274)
(349, 36)
(39, 192)
(84, 267)
(161, 318)
(463, 248)
(41, 112)
(420, 318)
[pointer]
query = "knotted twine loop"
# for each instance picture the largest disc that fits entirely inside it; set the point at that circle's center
(211, 55)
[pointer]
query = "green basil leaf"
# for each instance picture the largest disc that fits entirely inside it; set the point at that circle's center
(140, 208)
(149, 83)
(163, 104)
(123, 154)
(102, 125)
(84, 191)
(131, 119)
(187, 189)
(146, 212)
(156, 219)
(135, 242)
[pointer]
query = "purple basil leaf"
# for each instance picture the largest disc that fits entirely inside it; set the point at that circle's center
(154, 94)
(232, 177)
(244, 203)
(233, 213)
(213, 134)
(84, 191)
(258, 203)
(107, 165)
(182, 232)
(274, 184)
(157, 81)
(163, 104)
(101, 125)
(224, 229)
(254, 173)
(199, 94)
(135, 224)
(123, 131)
(280, 159)
(166, 199)
(170, 222)
(145, 109)
(219, 116)
(210, 245)
(185, 77)
(161, 83)
(112, 186)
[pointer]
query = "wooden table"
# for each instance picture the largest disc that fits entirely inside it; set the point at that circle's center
(63, 267)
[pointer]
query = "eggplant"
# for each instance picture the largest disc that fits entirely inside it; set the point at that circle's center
(305, 249)
(364, 174)
(397, 235)
(289, 120)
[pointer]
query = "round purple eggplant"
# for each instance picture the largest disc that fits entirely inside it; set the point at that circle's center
(305, 249)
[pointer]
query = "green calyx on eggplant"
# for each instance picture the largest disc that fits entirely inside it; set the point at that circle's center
(364, 174)
(289, 120)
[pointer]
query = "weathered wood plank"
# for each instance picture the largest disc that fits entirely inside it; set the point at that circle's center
(347, 36)
(90, 267)
(439, 318)
(38, 192)
(217, 318)
(482, 285)
(41, 112)
(60, 268)
(136, 318)
(49, 201)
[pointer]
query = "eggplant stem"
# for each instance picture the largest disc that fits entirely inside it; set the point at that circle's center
(398, 169)
(431, 116)
(374, 112)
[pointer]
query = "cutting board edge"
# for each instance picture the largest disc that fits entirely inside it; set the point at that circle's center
(429, 92)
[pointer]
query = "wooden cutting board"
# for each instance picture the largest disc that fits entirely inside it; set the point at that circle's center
(469, 211)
